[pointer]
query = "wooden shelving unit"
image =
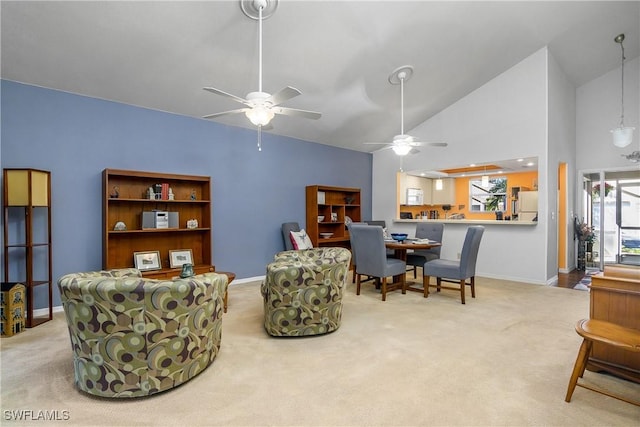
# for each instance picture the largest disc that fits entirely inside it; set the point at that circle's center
(323, 200)
(27, 237)
(192, 200)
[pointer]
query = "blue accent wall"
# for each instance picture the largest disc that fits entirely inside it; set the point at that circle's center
(253, 193)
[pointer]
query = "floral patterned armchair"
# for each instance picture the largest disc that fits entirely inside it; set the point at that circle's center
(303, 291)
(132, 336)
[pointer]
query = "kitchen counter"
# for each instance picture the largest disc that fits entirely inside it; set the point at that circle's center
(468, 222)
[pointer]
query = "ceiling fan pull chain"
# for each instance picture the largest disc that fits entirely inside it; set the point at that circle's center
(259, 138)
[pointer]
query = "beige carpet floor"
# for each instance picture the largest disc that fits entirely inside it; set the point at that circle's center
(503, 359)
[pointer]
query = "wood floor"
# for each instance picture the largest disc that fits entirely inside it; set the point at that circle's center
(569, 280)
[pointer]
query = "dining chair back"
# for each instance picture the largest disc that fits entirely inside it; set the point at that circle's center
(383, 224)
(353, 248)
(371, 258)
(287, 227)
(457, 271)
(432, 231)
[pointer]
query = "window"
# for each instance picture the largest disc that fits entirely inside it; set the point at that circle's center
(488, 199)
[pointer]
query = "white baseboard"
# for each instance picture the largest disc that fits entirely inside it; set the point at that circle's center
(247, 280)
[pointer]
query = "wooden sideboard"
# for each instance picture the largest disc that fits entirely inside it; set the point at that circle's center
(615, 298)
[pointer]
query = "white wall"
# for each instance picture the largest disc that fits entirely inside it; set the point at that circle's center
(504, 119)
(562, 136)
(598, 111)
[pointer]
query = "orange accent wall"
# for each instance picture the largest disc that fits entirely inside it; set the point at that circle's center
(521, 179)
(562, 216)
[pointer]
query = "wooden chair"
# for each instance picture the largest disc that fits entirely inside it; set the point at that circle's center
(607, 333)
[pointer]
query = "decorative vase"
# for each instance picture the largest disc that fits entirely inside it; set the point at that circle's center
(187, 271)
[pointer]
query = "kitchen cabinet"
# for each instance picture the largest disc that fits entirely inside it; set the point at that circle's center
(410, 181)
(446, 196)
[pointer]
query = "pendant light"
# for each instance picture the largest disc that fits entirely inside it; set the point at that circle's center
(485, 178)
(622, 136)
(439, 184)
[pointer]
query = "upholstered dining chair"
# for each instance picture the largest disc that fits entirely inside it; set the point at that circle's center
(353, 250)
(432, 231)
(383, 224)
(457, 271)
(371, 259)
(287, 227)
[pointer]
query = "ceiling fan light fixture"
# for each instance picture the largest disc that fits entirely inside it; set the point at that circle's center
(401, 149)
(622, 136)
(259, 115)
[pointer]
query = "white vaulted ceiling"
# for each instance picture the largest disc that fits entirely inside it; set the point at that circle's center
(159, 54)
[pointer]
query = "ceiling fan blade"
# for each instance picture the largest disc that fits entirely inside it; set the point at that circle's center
(435, 144)
(376, 143)
(225, 94)
(283, 95)
(296, 112)
(240, 110)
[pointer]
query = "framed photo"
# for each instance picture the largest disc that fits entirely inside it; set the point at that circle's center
(180, 256)
(145, 261)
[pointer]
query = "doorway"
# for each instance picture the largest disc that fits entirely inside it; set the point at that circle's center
(611, 209)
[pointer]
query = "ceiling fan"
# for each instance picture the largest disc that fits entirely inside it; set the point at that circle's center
(261, 106)
(403, 144)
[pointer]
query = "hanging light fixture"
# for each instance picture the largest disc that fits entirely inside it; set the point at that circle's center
(622, 136)
(485, 178)
(439, 184)
(401, 149)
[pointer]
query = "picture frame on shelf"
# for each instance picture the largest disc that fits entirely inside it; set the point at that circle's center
(178, 257)
(147, 261)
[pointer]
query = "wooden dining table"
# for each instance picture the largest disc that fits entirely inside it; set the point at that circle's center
(400, 251)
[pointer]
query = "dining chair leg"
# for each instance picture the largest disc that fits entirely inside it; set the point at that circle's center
(463, 283)
(473, 286)
(357, 282)
(438, 284)
(384, 289)
(578, 368)
(353, 278)
(425, 285)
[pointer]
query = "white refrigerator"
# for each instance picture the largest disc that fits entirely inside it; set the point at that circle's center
(527, 205)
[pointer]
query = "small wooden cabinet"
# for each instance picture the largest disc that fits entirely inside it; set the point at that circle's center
(337, 205)
(126, 197)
